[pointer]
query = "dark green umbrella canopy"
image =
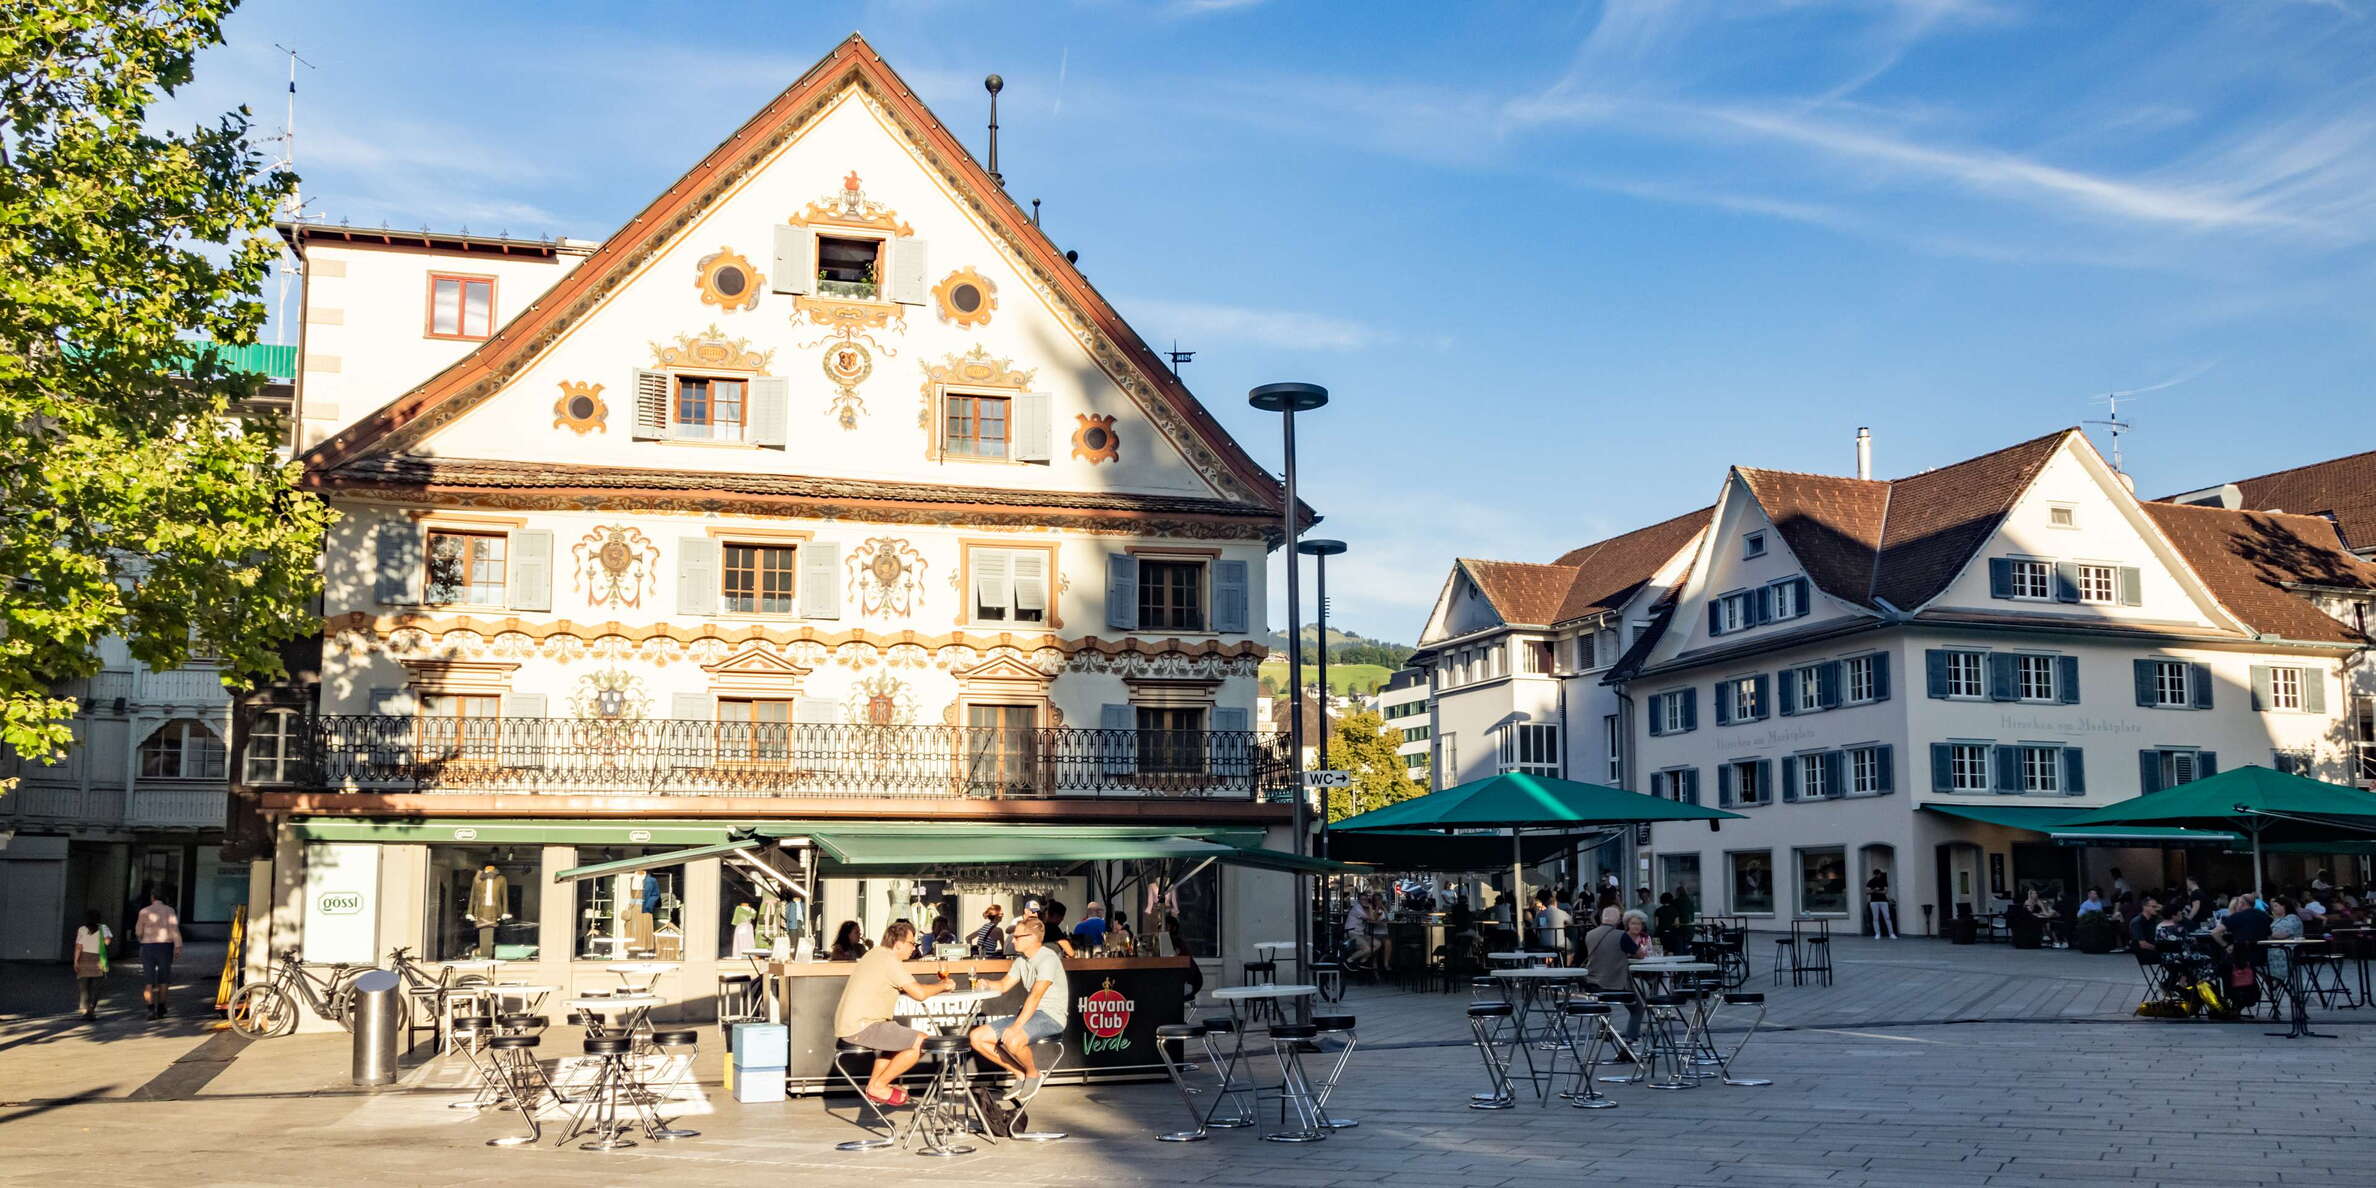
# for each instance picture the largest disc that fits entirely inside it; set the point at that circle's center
(1515, 800)
(2250, 799)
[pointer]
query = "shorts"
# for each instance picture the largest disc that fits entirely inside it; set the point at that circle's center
(156, 963)
(1039, 1028)
(886, 1037)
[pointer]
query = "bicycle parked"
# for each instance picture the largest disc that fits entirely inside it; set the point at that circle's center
(261, 1010)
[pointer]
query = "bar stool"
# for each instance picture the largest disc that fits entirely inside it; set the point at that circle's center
(843, 1050)
(678, 1049)
(1818, 953)
(1166, 1037)
(945, 1113)
(1295, 1087)
(469, 1035)
(1487, 1022)
(1724, 1061)
(511, 1059)
(1341, 1026)
(1046, 1055)
(1665, 1016)
(1593, 1017)
(1226, 1068)
(1786, 958)
(614, 1085)
(1487, 988)
(1329, 976)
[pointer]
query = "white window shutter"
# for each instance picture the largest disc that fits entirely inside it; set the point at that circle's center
(1122, 592)
(820, 580)
(771, 400)
(1031, 581)
(993, 578)
(1230, 597)
(651, 405)
(795, 261)
(1117, 739)
(690, 746)
(697, 576)
(401, 565)
(529, 584)
(908, 261)
(1031, 427)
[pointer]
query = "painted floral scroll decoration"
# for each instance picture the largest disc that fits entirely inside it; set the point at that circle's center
(728, 281)
(616, 566)
(887, 576)
(882, 700)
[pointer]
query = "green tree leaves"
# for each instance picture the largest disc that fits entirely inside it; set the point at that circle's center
(1360, 742)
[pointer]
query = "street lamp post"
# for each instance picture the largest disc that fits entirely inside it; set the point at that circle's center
(1288, 399)
(1320, 551)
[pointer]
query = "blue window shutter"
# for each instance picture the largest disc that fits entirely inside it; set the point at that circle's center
(1934, 667)
(2149, 770)
(1942, 767)
(2144, 674)
(2007, 762)
(2066, 679)
(1658, 785)
(1117, 739)
(1885, 767)
(2260, 687)
(1790, 780)
(1723, 701)
(1765, 779)
(2313, 689)
(2206, 764)
(2074, 771)
(1763, 599)
(1691, 785)
(401, 565)
(1724, 785)
(2001, 684)
(1229, 596)
(2132, 586)
(1690, 709)
(1880, 676)
(1122, 592)
(1658, 714)
(1788, 683)
(1827, 680)
(2000, 577)
(820, 580)
(1761, 697)
(2066, 581)
(1835, 773)
(1716, 617)
(697, 576)
(2199, 683)
(1806, 592)
(529, 585)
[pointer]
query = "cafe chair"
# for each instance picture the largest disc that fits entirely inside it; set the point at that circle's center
(1046, 1056)
(843, 1052)
(1340, 1027)
(469, 1035)
(1261, 973)
(1725, 1060)
(1329, 976)
(1593, 1017)
(512, 1064)
(1488, 1022)
(1295, 1087)
(1168, 1037)
(1668, 1032)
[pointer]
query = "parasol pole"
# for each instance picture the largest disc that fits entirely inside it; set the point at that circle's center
(2256, 863)
(1517, 885)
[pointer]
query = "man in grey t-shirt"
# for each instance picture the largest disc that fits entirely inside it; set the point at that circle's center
(1047, 1005)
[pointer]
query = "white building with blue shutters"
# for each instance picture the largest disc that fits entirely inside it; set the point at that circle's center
(825, 491)
(1926, 676)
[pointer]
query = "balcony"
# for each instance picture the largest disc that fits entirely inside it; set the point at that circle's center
(663, 757)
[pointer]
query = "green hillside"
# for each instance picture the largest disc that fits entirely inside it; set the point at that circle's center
(1342, 678)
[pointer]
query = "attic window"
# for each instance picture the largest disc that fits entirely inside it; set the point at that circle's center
(2061, 516)
(1753, 545)
(849, 267)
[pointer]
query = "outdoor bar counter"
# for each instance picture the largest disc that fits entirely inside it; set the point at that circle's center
(1117, 1003)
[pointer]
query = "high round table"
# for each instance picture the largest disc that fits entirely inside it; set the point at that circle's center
(1237, 997)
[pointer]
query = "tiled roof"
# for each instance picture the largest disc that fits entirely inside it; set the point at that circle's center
(2246, 558)
(1832, 525)
(1523, 594)
(1609, 572)
(2344, 488)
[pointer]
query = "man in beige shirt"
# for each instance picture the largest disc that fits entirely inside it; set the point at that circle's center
(158, 930)
(868, 1001)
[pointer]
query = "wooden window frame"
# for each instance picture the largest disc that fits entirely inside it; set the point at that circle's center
(750, 760)
(461, 310)
(1203, 560)
(1051, 621)
(429, 534)
(729, 541)
(676, 399)
(1007, 422)
(454, 751)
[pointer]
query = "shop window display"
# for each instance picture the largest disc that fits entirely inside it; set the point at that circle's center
(1823, 882)
(1752, 881)
(482, 902)
(755, 911)
(635, 914)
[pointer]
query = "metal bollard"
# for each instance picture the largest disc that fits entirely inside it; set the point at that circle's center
(377, 999)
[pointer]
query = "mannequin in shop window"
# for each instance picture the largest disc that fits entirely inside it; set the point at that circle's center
(490, 897)
(746, 929)
(641, 904)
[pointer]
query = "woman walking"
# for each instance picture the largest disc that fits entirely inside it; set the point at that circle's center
(90, 962)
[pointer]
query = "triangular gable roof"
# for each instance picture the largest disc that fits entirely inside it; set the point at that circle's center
(1522, 593)
(484, 371)
(2247, 560)
(1609, 573)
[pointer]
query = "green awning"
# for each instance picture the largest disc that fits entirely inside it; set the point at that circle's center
(648, 861)
(2271, 805)
(854, 848)
(1400, 851)
(529, 832)
(1518, 800)
(2051, 822)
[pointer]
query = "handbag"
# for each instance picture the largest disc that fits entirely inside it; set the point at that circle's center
(2240, 978)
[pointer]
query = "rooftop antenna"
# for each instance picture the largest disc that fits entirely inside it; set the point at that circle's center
(2111, 420)
(994, 85)
(295, 209)
(1035, 212)
(1178, 356)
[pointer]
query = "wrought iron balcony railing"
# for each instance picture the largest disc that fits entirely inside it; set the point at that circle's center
(652, 756)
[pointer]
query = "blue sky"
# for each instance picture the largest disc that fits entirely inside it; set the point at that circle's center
(1560, 265)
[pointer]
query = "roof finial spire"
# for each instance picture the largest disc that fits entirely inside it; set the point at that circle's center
(994, 85)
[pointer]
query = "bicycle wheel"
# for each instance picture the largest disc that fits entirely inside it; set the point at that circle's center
(261, 1010)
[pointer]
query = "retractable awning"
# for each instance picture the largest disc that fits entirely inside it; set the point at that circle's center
(1438, 852)
(531, 832)
(856, 848)
(2051, 822)
(648, 861)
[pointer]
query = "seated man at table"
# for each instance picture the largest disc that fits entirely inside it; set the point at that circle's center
(869, 999)
(1006, 1041)
(2141, 928)
(1608, 961)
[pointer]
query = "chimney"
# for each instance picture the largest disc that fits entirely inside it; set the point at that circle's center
(1864, 452)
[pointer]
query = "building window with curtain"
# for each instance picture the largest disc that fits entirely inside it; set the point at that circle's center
(1823, 881)
(272, 748)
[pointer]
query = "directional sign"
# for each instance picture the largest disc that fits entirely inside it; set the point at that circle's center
(1328, 779)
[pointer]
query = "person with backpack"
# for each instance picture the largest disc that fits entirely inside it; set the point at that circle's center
(90, 962)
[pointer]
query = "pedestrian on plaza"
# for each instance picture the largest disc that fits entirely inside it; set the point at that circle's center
(1884, 917)
(159, 932)
(90, 961)
(1606, 963)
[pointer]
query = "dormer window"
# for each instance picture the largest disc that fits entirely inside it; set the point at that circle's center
(1753, 546)
(849, 267)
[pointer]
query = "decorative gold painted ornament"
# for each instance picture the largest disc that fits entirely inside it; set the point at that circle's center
(973, 369)
(1095, 441)
(848, 207)
(614, 565)
(728, 281)
(580, 408)
(886, 576)
(965, 298)
(712, 350)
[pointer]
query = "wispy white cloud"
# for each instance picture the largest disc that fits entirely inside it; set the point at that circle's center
(1291, 329)
(1196, 8)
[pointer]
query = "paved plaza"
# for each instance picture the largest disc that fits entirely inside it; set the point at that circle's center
(1927, 1064)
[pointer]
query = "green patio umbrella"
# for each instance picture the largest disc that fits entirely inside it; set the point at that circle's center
(2266, 805)
(1517, 801)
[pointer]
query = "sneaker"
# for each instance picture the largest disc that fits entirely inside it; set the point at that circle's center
(1028, 1087)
